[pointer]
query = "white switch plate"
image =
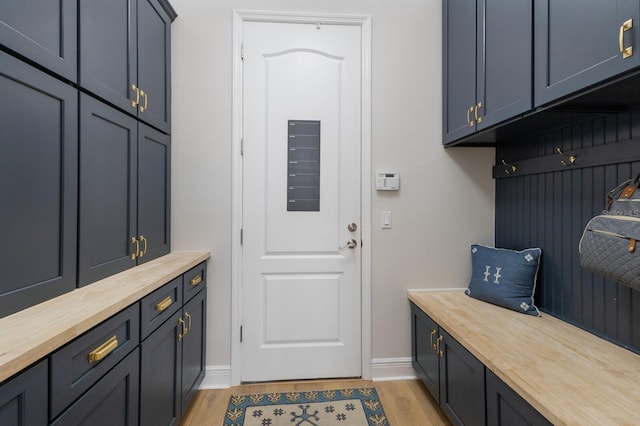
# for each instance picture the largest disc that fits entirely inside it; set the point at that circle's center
(385, 220)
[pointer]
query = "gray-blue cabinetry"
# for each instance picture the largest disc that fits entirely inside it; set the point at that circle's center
(194, 347)
(124, 192)
(462, 391)
(425, 361)
(112, 401)
(453, 376)
(580, 45)
(38, 185)
(43, 32)
(23, 399)
(486, 64)
(79, 365)
(125, 56)
(173, 355)
(506, 407)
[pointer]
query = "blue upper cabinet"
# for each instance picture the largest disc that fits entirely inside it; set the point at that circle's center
(125, 56)
(580, 45)
(487, 69)
(43, 32)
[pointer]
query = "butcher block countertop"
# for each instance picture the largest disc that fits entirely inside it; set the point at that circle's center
(570, 376)
(31, 334)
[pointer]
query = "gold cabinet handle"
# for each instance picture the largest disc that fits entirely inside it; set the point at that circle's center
(626, 51)
(196, 280)
(135, 241)
(186, 314)
(438, 348)
(146, 100)
(144, 241)
(471, 122)
(164, 304)
(181, 335)
(433, 345)
(475, 112)
(136, 101)
(103, 350)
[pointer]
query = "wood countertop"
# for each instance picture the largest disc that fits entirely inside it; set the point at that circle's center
(570, 376)
(33, 333)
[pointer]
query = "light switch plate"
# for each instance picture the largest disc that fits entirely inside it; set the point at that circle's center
(385, 220)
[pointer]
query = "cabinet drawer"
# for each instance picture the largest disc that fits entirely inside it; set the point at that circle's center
(160, 305)
(194, 280)
(81, 363)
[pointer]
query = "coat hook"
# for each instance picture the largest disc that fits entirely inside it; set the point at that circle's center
(511, 168)
(572, 158)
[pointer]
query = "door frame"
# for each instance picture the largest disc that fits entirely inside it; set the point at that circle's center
(364, 22)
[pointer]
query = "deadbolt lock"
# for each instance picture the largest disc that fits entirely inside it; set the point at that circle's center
(352, 227)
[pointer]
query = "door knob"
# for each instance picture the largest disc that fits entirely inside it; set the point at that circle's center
(352, 243)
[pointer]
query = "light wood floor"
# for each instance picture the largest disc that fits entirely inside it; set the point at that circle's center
(406, 403)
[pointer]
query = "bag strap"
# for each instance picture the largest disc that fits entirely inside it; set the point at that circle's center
(614, 194)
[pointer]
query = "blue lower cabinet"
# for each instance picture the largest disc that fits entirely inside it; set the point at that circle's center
(506, 407)
(462, 388)
(81, 363)
(112, 401)
(160, 368)
(194, 347)
(172, 357)
(451, 374)
(23, 399)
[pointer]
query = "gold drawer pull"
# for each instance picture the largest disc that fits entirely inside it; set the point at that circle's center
(196, 280)
(164, 304)
(103, 350)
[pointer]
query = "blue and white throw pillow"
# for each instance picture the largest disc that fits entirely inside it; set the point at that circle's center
(505, 277)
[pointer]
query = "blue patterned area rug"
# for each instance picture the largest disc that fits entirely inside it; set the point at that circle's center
(345, 407)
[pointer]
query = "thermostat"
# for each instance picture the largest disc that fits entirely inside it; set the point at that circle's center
(387, 181)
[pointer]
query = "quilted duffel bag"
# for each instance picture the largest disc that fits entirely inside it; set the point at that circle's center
(608, 244)
(608, 247)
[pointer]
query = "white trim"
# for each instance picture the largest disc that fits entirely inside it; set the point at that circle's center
(387, 369)
(216, 377)
(364, 22)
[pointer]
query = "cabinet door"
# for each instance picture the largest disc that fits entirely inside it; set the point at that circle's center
(43, 32)
(506, 407)
(194, 347)
(462, 391)
(38, 185)
(504, 68)
(154, 66)
(108, 50)
(160, 365)
(424, 332)
(154, 156)
(459, 68)
(23, 399)
(576, 47)
(108, 193)
(113, 401)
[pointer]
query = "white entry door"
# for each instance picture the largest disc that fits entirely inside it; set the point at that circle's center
(301, 266)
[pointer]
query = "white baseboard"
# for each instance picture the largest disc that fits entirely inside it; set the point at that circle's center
(216, 377)
(387, 369)
(383, 369)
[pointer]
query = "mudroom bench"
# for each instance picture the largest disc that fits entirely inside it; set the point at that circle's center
(128, 349)
(489, 365)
